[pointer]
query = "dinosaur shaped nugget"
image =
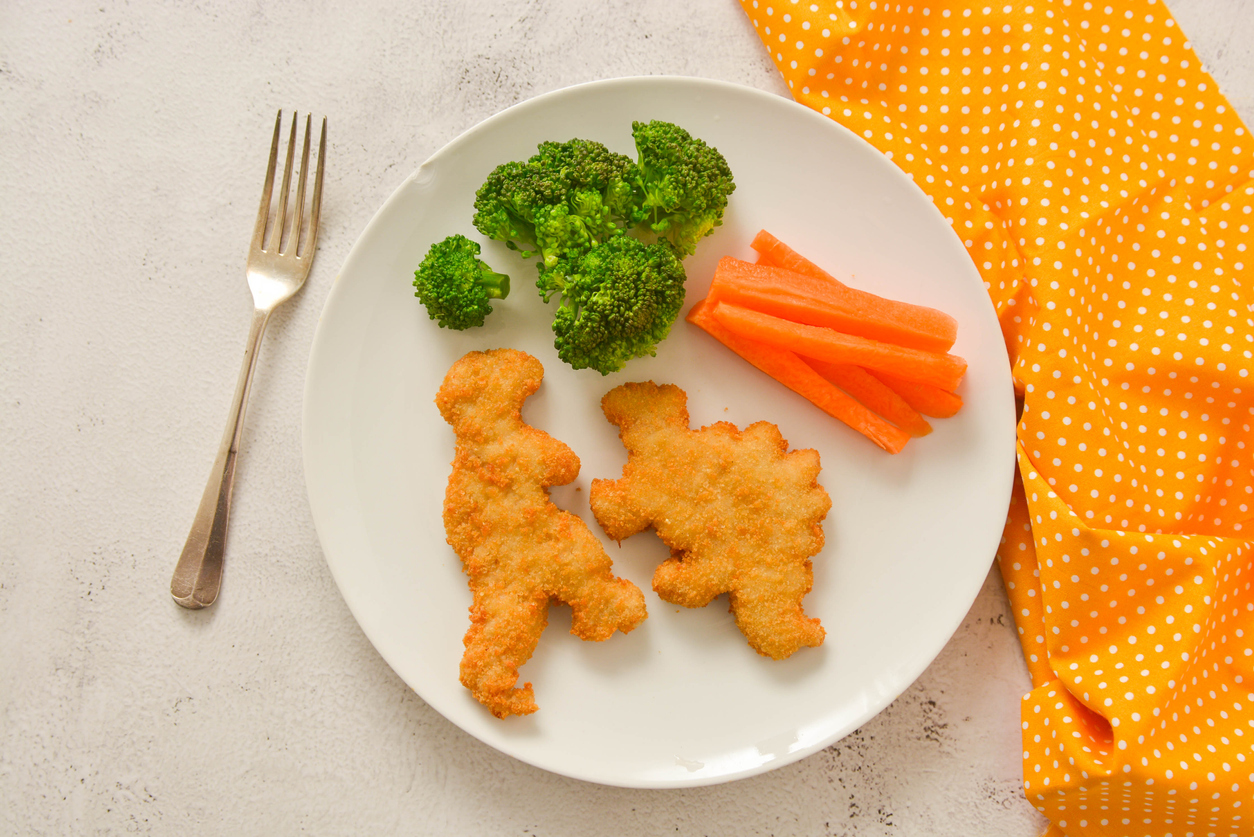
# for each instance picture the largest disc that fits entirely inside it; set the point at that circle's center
(741, 515)
(519, 550)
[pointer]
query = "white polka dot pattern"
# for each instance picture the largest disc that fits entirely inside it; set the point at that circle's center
(1103, 187)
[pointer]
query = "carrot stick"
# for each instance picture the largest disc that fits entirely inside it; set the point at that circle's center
(767, 260)
(773, 252)
(794, 373)
(944, 371)
(780, 254)
(825, 302)
(874, 394)
(928, 400)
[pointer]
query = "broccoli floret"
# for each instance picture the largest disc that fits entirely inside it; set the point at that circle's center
(683, 183)
(567, 198)
(618, 303)
(455, 285)
(600, 182)
(505, 205)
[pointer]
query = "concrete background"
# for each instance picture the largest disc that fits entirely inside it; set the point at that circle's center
(132, 138)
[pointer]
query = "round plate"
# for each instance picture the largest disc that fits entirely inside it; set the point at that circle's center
(682, 700)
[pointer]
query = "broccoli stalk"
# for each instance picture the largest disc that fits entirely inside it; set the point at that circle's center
(618, 303)
(455, 285)
(682, 184)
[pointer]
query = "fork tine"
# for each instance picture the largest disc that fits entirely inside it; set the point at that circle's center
(315, 210)
(298, 212)
(263, 214)
(280, 218)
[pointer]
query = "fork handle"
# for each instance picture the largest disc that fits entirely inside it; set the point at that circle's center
(198, 574)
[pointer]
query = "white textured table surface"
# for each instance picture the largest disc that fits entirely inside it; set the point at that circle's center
(131, 138)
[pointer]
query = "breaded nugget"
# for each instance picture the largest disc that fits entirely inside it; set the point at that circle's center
(518, 549)
(740, 513)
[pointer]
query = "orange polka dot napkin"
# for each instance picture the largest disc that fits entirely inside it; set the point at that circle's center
(1103, 187)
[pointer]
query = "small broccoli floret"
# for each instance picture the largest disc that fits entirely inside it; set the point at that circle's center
(505, 206)
(569, 197)
(600, 182)
(618, 303)
(565, 239)
(455, 285)
(683, 183)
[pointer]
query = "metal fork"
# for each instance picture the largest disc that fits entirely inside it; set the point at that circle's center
(278, 264)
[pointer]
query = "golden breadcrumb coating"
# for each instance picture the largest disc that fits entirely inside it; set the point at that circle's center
(518, 549)
(740, 513)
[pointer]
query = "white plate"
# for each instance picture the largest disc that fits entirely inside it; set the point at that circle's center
(682, 700)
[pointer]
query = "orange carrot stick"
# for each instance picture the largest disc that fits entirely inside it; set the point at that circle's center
(941, 370)
(928, 400)
(773, 252)
(794, 373)
(825, 302)
(780, 254)
(766, 259)
(874, 394)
